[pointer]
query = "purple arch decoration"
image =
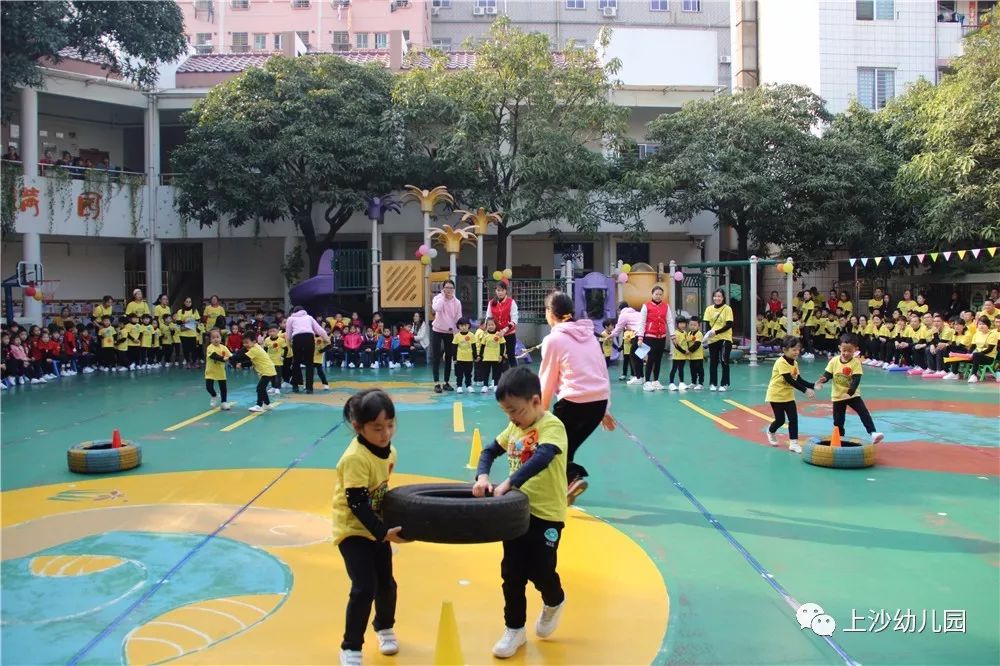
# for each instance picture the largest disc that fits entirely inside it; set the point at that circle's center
(595, 281)
(318, 286)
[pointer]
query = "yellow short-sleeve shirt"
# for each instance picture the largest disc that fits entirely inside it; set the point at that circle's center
(716, 318)
(843, 373)
(216, 369)
(778, 390)
(360, 468)
(261, 361)
(546, 490)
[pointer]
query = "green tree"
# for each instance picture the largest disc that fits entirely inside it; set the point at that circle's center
(955, 174)
(754, 160)
(272, 143)
(131, 37)
(520, 132)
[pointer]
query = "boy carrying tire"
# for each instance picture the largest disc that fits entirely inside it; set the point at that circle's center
(535, 444)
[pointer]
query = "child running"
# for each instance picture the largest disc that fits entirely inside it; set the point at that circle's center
(358, 531)
(535, 442)
(216, 355)
(265, 370)
(781, 395)
(845, 371)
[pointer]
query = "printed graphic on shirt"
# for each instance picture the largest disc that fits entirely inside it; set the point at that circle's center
(379, 494)
(520, 450)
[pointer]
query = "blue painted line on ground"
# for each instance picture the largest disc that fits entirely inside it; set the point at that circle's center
(751, 560)
(194, 550)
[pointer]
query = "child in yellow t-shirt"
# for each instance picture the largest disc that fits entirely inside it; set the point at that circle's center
(680, 356)
(106, 355)
(359, 486)
(146, 342)
(464, 341)
(216, 355)
(628, 345)
(536, 446)
(319, 349)
(492, 351)
(265, 371)
(122, 344)
(134, 334)
(845, 371)
(984, 347)
(607, 340)
(780, 394)
(695, 353)
(156, 353)
(276, 346)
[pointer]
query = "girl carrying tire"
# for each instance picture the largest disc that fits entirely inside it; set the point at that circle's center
(573, 369)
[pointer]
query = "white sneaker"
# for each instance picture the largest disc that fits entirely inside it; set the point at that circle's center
(950, 375)
(807, 356)
(131, 366)
(713, 387)
(375, 365)
(485, 389)
(387, 642)
(21, 381)
(87, 370)
(255, 408)
(213, 403)
(658, 386)
(325, 387)
(548, 620)
(509, 643)
(877, 437)
(723, 389)
(226, 406)
(973, 379)
(682, 386)
(648, 387)
(772, 439)
(352, 366)
(43, 380)
(350, 658)
(408, 364)
(343, 364)
(634, 381)
(794, 447)
(459, 390)
(698, 387)
(35, 380)
(268, 407)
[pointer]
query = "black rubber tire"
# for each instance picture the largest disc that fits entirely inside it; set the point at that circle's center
(448, 513)
(97, 457)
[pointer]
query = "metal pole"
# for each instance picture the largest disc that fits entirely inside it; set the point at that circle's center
(619, 289)
(427, 272)
(670, 283)
(479, 276)
(753, 311)
(375, 264)
(789, 289)
(452, 266)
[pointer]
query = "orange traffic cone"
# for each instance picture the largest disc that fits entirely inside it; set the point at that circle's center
(835, 437)
(116, 439)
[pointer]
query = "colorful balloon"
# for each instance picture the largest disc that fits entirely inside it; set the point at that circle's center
(626, 268)
(789, 268)
(497, 275)
(679, 276)
(29, 291)
(622, 278)
(508, 273)
(433, 253)
(38, 296)
(417, 254)
(780, 267)
(425, 260)
(423, 249)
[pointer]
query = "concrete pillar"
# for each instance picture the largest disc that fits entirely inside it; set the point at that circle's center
(31, 241)
(154, 261)
(154, 270)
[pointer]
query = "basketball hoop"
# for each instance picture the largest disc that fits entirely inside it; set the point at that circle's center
(48, 289)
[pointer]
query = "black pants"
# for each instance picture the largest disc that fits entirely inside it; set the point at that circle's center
(490, 370)
(978, 359)
(262, 383)
(401, 353)
(187, 348)
(530, 557)
(384, 357)
(807, 339)
(858, 405)
(783, 410)
(303, 350)
(677, 368)
(369, 565)
(441, 346)
(463, 373)
(697, 370)
(511, 344)
(654, 358)
(107, 357)
(318, 369)
(581, 420)
(134, 355)
(635, 362)
(718, 352)
(223, 391)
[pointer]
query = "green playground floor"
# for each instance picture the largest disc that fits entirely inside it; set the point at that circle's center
(740, 532)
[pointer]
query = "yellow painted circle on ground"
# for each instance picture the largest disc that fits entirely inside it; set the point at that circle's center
(617, 604)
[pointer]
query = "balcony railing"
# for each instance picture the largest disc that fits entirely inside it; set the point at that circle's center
(114, 175)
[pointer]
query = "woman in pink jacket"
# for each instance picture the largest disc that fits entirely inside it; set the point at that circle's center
(630, 319)
(447, 311)
(573, 368)
(301, 330)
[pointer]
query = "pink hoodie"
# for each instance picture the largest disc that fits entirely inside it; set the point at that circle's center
(629, 319)
(573, 365)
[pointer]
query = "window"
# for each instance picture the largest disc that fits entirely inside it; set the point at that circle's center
(203, 42)
(341, 40)
(607, 4)
(443, 43)
(876, 87)
(633, 253)
(361, 40)
(647, 149)
(381, 40)
(947, 12)
(279, 41)
(691, 6)
(304, 36)
(868, 10)
(406, 36)
(483, 4)
(260, 41)
(659, 5)
(441, 3)
(576, 4)
(240, 4)
(300, 4)
(581, 254)
(240, 43)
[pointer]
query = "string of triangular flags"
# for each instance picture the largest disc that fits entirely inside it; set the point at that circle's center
(919, 258)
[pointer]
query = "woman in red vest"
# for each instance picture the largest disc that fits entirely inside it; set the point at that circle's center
(503, 311)
(656, 321)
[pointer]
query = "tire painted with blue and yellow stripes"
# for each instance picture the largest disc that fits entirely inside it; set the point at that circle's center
(852, 454)
(97, 457)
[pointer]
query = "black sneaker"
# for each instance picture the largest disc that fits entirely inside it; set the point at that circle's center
(437, 388)
(448, 387)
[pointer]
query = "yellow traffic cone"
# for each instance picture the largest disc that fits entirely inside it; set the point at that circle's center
(477, 448)
(448, 649)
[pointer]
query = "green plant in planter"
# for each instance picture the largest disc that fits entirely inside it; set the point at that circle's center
(12, 177)
(293, 265)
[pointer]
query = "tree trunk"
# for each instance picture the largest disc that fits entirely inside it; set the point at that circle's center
(502, 258)
(314, 251)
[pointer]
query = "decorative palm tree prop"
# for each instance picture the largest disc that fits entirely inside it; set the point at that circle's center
(480, 221)
(452, 240)
(428, 199)
(377, 207)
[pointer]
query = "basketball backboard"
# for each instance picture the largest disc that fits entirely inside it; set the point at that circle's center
(29, 273)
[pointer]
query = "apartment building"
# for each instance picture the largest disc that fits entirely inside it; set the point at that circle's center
(869, 50)
(241, 26)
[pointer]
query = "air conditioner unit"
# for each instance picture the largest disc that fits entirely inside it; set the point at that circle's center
(491, 11)
(435, 11)
(610, 12)
(725, 60)
(477, 11)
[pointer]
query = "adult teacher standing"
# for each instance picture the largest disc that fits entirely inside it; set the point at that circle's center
(719, 339)
(447, 311)
(503, 311)
(301, 328)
